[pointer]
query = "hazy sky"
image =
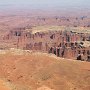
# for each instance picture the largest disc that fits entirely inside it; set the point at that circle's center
(46, 3)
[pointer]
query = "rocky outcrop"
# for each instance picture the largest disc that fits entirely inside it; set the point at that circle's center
(66, 44)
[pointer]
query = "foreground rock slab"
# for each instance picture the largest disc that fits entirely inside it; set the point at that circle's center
(40, 71)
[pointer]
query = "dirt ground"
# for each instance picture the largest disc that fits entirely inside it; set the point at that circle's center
(40, 71)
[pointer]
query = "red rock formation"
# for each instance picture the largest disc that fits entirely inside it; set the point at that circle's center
(61, 43)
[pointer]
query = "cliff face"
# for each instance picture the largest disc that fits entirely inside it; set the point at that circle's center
(39, 71)
(72, 43)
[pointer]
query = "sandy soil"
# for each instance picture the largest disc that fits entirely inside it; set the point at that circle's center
(36, 71)
(4, 86)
